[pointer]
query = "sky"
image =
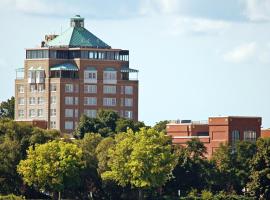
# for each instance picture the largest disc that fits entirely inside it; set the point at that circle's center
(196, 58)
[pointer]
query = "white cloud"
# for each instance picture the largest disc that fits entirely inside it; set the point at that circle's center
(257, 10)
(241, 53)
(197, 26)
(156, 7)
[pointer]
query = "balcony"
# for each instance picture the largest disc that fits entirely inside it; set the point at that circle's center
(129, 74)
(19, 73)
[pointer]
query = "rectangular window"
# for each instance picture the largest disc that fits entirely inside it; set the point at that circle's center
(76, 100)
(53, 124)
(250, 135)
(32, 101)
(40, 100)
(40, 112)
(32, 113)
(109, 101)
(68, 112)
(41, 88)
(20, 101)
(53, 112)
(20, 88)
(90, 89)
(92, 55)
(235, 136)
(69, 100)
(110, 77)
(128, 114)
(32, 88)
(90, 113)
(53, 87)
(76, 113)
(69, 88)
(128, 102)
(90, 76)
(53, 99)
(68, 125)
(20, 113)
(92, 101)
(31, 76)
(128, 90)
(109, 89)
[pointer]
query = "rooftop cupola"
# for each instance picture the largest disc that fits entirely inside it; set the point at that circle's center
(77, 21)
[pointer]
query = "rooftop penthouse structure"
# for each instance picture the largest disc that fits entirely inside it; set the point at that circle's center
(72, 74)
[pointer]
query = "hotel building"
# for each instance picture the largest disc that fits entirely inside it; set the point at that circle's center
(72, 74)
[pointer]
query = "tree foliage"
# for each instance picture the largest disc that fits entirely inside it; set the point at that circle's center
(259, 185)
(52, 167)
(143, 159)
(7, 108)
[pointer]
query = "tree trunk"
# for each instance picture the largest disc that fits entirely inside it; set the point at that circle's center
(140, 194)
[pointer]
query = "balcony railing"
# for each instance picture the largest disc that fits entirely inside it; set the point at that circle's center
(20, 73)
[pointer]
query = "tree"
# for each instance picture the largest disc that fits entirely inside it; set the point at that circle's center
(142, 160)
(233, 165)
(161, 126)
(193, 170)
(122, 125)
(108, 118)
(7, 108)
(52, 167)
(259, 185)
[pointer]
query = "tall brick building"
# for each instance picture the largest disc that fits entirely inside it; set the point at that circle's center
(215, 131)
(72, 74)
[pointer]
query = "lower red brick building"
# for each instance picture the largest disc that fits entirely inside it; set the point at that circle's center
(265, 133)
(215, 131)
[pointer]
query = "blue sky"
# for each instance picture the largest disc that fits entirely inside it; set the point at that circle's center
(196, 58)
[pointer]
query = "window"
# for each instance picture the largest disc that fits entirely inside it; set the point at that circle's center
(40, 76)
(92, 55)
(128, 90)
(109, 89)
(21, 101)
(109, 101)
(41, 88)
(53, 87)
(235, 136)
(20, 113)
(128, 102)
(32, 113)
(68, 125)
(250, 135)
(20, 88)
(76, 113)
(40, 100)
(122, 89)
(76, 100)
(90, 113)
(128, 114)
(53, 99)
(32, 88)
(90, 75)
(109, 76)
(69, 88)
(90, 89)
(32, 100)
(69, 100)
(53, 112)
(40, 112)
(90, 101)
(31, 76)
(68, 112)
(53, 124)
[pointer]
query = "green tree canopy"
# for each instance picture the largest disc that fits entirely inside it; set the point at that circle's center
(53, 166)
(259, 185)
(161, 126)
(7, 108)
(143, 159)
